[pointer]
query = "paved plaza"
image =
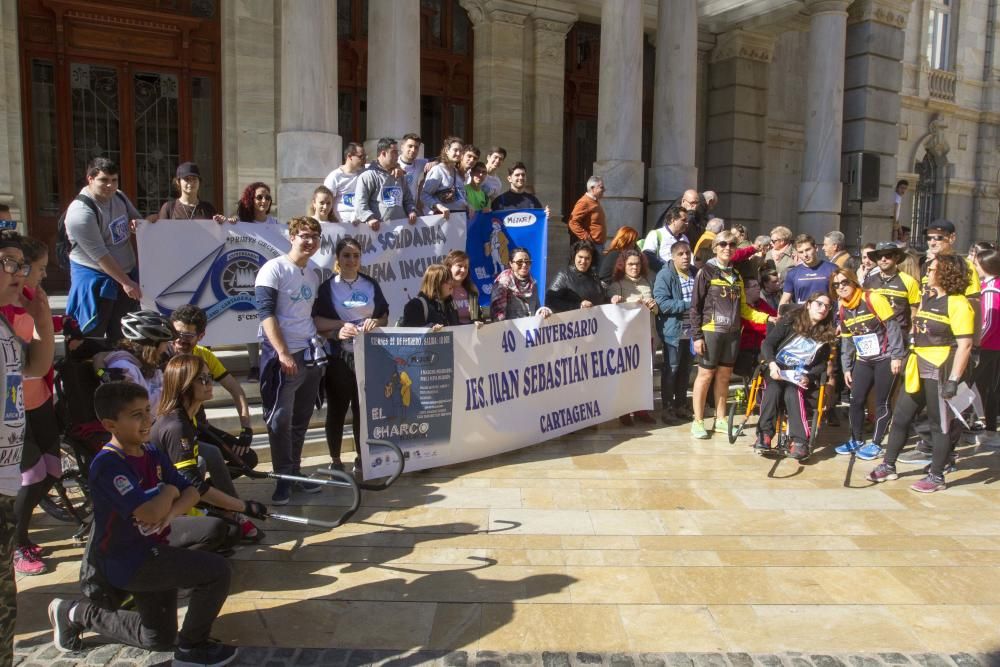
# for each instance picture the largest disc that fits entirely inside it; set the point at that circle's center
(615, 546)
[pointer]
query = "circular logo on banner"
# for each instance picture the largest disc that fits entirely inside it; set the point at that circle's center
(520, 219)
(232, 277)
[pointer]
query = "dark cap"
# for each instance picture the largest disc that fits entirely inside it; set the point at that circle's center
(185, 169)
(886, 249)
(945, 226)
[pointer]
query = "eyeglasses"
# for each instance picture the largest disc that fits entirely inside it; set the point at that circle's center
(823, 304)
(204, 378)
(311, 238)
(521, 262)
(725, 244)
(262, 198)
(936, 237)
(186, 336)
(838, 284)
(16, 268)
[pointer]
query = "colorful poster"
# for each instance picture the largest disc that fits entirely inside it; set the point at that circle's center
(214, 266)
(479, 392)
(491, 238)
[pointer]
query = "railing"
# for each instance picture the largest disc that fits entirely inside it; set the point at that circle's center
(941, 84)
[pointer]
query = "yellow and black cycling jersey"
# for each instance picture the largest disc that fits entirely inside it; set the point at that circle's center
(939, 323)
(869, 329)
(972, 290)
(900, 289)
(718, 301)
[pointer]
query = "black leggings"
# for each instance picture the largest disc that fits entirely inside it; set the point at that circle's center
(907, 407)
(988, 384)
(799, 403)
(341, 394)
(877, 374)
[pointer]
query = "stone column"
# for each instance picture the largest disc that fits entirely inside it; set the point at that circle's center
(675, 98)
(393, 70)
(308, 143)
(11, 122)
(498, 73)
(737, 125)
(820, 189)
(619, 114)
(873, 78)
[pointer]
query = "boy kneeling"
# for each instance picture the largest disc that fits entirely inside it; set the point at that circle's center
(137, 493)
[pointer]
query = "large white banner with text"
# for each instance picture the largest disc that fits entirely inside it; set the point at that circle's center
(465, 393)
(214, 266)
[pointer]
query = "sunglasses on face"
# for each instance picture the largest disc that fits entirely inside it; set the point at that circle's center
(725, 244)
(186, 336)
(521, 262)
(15, 268)
(262, 198)
(936, 237)
(838, 284)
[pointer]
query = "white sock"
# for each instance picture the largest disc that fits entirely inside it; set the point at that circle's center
(72, 613)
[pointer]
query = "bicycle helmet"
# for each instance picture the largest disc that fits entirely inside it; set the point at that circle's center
(147, 326)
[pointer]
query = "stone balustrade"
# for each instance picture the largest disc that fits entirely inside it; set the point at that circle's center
(941, 84)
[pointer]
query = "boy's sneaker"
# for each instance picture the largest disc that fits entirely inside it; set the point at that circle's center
(916, 457)
(282, 493)
(698, 429)
(206, 654)
(799, 451)
(27, 562)
(763, 443)
(870, 452)
(849, 447)
(929, 484)
(307, 487)
(65, 633)
(883, 472)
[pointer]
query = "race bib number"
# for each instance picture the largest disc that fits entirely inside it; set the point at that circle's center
(392, 196)
(722, 320)
(867, 345)
(119, 230)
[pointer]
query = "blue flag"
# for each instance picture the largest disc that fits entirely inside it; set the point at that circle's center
(492, 236)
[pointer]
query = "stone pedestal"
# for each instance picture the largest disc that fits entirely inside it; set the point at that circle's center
(737, 125)
(873, 78)
(820, 190)
(674, 106)
(393, 70)
(11, 140)
(307, 140)
(619, 114)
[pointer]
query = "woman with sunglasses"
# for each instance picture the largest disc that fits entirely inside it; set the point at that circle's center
(872, 351)
(347, 304)
(718, 301)
(796, 350)
(515, 291)
(942, 346)
(187, 386)
(255, 204)
(577, 286)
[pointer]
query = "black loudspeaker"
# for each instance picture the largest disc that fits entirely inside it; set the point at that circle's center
(863, 176)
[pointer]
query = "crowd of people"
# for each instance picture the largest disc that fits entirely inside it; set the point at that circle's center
(904, 331)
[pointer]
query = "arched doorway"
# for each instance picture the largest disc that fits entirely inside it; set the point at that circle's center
(928, 197)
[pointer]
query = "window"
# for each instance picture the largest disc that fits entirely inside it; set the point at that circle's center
(939, 35)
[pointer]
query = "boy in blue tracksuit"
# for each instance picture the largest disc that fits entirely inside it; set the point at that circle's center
(139, 501)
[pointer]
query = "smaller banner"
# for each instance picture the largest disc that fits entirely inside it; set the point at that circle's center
(465, 393)
(491, 238)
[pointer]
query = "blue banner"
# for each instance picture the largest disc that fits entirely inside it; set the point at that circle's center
(491, 237)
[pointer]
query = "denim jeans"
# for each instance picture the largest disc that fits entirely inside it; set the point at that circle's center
(675, 374)
(289, 416)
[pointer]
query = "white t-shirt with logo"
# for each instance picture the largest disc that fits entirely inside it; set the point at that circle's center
(12, 427)
(355, 302)
(296, 287)
(413, 172)
(343, 186)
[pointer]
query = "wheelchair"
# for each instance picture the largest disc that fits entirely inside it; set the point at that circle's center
(745, 407)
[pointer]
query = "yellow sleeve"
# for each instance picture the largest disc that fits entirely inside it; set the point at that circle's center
(748, 313)
(912, 289)
(881, 306)
(973, 289)
(215, 367)
(963, 318)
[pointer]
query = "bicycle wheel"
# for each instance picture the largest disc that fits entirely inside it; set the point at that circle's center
(69, 498)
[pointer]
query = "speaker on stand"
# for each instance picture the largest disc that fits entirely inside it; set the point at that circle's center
(862, 180)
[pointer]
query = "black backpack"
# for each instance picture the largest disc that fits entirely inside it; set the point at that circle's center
(63, 244)
(75, 384)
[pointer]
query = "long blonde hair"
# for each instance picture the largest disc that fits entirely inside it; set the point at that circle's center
(178, 381)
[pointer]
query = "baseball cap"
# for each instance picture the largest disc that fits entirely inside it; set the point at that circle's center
(186, 169)
(945, 226)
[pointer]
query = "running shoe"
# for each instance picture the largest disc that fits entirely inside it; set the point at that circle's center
(849, 447)
(335, 466)
(307, 487)
(698, 429)
(799, 451)
(929, 484)
(883, 472)
(870, 452)
(206, 654)
(27, 562)
(950, 466)
(915, 457)
(65, 633)
(763, 443)
(282, 493)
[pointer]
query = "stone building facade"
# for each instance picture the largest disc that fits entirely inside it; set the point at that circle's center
(765, 102)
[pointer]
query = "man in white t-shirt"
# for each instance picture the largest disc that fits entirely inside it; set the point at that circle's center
(343, 180)
(17, 361)
(412, 165)
(494, 160)
(291, 352)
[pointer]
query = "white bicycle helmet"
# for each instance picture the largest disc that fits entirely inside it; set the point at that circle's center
(147, 325)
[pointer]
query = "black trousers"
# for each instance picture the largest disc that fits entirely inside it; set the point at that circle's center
(153, 624)
(988, 384)
(799, 404)
(674, 376)
(109, 316)
(866, 375)
(341, 395)
(907, 407)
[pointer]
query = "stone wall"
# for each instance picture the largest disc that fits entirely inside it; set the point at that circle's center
(11, 141)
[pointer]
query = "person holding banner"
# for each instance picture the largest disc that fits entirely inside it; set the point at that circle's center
(381, 196)
(631, 285)
(343, 181)
(577, 286)
(443, 190)
(518, 196)
(433, 306)
(187, 206)
(321, 206)
(348, 303)
(515, 292)
(255, 205)
(464, 294)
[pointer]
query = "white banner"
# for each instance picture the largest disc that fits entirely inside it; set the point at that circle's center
(465, 393)
(214, 266)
